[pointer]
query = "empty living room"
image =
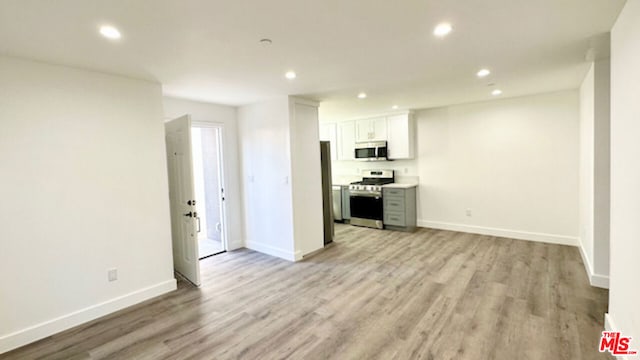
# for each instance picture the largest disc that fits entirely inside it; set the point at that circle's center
(299, 179)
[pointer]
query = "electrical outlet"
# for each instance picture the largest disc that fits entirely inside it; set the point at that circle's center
(468, 212)
(406, 170)
(112, 274)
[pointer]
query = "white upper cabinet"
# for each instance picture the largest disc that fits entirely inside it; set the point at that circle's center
(397, 130)
(328, 132)
(363, 130)
(374, 129)
(346, 140)
(400, 136)
(379, 126)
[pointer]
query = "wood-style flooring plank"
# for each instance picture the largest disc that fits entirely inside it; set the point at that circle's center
(373, 294)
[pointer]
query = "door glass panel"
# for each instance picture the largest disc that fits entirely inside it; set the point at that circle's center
(206, 173)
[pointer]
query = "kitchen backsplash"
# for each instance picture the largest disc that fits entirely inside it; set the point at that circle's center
(345, 172)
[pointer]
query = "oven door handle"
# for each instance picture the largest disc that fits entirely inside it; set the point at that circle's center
(356, 193)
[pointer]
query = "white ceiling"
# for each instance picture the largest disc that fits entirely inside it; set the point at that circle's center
(209, 49)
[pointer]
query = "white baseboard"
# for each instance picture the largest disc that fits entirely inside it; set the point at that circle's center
(513, 234)
(235, 245)
(597, 280)
(609, 325)
(273, 251)
(39, 331)
(314, 252)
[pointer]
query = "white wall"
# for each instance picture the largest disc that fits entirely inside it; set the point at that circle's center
(84, 189)
(624, 293)
(586, 213)
(594, 171)
(602, 169)
(280, 153)
(228, 117)
(306, 177)
(513, 162)
(266, 177)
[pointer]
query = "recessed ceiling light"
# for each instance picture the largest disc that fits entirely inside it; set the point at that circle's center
(394, 107)
(442, 29)
(496, 92)
(110, 32)
(290, 75)
(483, 72)
(362, 96)
(266, 41)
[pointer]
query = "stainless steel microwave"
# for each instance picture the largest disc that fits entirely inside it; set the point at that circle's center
(371, 151)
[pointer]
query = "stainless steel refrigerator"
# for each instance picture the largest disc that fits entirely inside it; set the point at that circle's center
(327, 193)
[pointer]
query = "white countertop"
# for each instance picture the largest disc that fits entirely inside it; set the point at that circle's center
(340, 184)
(392, 185)
(402, 182)
(400, 185)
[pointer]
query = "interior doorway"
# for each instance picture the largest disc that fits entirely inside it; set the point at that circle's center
(195, 164)
(208, 190)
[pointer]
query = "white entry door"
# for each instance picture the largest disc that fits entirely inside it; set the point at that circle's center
(182, 196)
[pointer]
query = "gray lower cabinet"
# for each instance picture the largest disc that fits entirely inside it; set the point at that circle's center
(399, 206)
(346, 203)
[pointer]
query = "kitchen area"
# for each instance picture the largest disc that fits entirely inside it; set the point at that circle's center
(371, 182)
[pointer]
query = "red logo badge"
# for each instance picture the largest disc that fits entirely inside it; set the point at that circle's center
(615, 343)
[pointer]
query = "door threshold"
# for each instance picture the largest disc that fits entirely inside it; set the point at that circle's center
(214, 254)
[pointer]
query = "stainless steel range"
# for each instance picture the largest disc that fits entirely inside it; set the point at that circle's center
(366, 198)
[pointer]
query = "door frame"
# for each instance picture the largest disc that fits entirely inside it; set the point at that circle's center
(222, 173)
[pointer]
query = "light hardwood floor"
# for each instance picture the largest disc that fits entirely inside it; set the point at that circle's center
(372, 295)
